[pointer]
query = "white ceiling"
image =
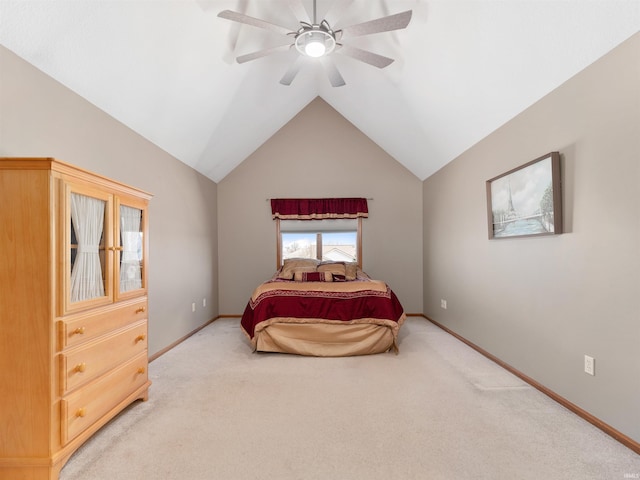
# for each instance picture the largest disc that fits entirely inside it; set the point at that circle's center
(166, 68)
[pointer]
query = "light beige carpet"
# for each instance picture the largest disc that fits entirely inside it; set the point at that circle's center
(438, 410)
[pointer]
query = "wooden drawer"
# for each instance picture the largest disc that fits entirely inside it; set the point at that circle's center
(84, 407)
(84, 363)
(76, 329)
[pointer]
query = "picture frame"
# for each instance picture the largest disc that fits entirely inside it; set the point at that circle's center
(527, 200)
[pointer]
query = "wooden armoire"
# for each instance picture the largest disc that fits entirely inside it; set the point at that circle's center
(73, 310)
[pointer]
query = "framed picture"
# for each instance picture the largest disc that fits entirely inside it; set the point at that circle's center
(527, 200)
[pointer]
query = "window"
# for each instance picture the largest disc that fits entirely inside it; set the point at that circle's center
(321, 228)
(335, 246)
(327, 240)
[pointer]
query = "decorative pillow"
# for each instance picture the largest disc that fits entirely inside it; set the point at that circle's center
(302, 276)
(335, 268)
(292, 264)
(351, 270)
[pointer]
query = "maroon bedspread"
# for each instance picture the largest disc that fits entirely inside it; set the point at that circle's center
(360, 301)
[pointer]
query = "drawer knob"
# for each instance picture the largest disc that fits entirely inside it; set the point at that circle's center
(81, 367)
(141, 369)
(78, 331)
(140, 310)
(81, 412)
(140, 338)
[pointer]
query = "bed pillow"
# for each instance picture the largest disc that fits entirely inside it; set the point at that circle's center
(303, 276)
(351, 271)
(292, 264)
(335, 268)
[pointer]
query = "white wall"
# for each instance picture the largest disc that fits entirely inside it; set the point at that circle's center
(540, 304)
(319, 154)
(40, 117)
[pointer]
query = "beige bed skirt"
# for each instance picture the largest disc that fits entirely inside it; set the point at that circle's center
(325, 339)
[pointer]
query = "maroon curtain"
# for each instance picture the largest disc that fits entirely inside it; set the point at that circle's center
(318, 208)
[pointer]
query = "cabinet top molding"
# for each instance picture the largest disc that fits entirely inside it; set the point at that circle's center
(48, 163)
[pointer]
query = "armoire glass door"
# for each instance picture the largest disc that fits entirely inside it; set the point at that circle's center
(131, 247)
(88, 232)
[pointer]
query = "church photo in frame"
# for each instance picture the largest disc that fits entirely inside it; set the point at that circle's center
(527, 200)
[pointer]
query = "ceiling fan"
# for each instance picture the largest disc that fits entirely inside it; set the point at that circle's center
(319, 40)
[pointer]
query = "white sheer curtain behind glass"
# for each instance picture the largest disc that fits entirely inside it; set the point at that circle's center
(87, 220)
(131, 238)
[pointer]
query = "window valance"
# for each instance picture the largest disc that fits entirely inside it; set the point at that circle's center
(318, 208)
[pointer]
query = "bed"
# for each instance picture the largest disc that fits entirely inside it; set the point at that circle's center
(325, 309)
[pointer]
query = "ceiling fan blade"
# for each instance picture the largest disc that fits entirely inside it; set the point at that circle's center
(254, 22)
(384, 24)
(336, 10)
(365, 56)
(299, 11)
(261, 53)
(291, 72)
(335, 78)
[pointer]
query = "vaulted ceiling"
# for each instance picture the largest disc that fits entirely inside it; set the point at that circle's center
(166, 68)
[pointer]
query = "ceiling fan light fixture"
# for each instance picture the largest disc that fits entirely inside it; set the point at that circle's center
(315, 42)
(315, 46)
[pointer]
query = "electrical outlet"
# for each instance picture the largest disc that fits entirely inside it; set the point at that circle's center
(204, 302)
(193, 307)
(589, 365)
(443, 303)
